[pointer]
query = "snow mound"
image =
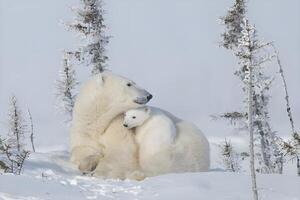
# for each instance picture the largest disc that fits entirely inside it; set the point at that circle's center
(51, 176)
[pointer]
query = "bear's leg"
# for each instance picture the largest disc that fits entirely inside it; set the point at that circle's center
(89, 163)
(86, 158)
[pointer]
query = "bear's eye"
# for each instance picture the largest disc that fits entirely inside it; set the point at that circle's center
(133, 117)
(129, 84)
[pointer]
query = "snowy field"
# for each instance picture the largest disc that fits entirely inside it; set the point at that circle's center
(49, 176)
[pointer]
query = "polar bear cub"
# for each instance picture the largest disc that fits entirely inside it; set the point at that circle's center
(155, 135)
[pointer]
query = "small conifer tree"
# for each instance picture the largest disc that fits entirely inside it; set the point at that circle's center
(13, 148)
(89, 24)
(230, 158)
(66, 85)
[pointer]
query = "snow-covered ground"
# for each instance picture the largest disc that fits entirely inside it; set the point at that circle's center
(50, 176)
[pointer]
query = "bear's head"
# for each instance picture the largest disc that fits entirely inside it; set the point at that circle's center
(136, 117)
(117, 92)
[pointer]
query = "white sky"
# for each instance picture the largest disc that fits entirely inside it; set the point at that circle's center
(169, 47)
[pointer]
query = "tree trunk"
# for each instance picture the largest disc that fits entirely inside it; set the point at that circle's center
(31, 131)
(298, 165)
(287, 100)
(250, 126)
(17, 131)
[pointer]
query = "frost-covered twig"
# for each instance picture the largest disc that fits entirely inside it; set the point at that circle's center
(264, 60)
(31, 131)
(230, 115)
(20, 159)
(234, 115)
(14, 159)
(3, 165)
(263, 45)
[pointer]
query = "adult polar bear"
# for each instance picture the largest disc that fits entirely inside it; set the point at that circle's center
(100, 142)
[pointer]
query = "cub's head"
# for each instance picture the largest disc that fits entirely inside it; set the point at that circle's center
(119, 92)
(136, 117)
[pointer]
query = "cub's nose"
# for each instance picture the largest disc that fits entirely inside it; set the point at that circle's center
(149, 97)
(125, 125)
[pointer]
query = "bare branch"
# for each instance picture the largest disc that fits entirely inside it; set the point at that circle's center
(287, 98)
(263, 60)
(31, 130)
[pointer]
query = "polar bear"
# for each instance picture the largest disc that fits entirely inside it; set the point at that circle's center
(155, 134)
(160, 151)
(98, 140)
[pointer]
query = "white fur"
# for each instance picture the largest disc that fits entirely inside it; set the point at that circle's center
(167, 144)
(98, 138)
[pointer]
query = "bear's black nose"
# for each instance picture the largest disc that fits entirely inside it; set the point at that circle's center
(125, 125)
(149, 97)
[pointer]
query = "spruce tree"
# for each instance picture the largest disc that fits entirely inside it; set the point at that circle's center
(16, 125)
(89, 24)
(230, 158)
(269, 154)
(13, 148)
(66, 85)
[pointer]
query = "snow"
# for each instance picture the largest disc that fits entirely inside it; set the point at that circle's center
(50, 176)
